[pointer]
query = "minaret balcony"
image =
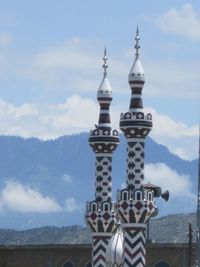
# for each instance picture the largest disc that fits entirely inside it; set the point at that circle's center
(137, 209)
(136, 124)
(103, 141)
(101, 217)
(94, 205)
(136, 116)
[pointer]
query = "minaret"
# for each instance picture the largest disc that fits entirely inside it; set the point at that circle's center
(100, 213)
(135, 202)
(198, 212)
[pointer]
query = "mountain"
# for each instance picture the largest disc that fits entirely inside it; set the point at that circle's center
(64, 170)
(168, 229)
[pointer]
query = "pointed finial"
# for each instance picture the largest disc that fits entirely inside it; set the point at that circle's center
(105, 66)
(137, 38)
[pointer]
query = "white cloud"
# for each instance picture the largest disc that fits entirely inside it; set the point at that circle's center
(78, 114)
(178, 185)
(71, 205)
(20, 198)
(166, 126)
(180, 138)
(48, 121)
(184, 21)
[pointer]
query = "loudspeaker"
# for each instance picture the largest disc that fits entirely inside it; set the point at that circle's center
(165, 195)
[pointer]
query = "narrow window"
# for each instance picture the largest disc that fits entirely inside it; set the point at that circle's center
(138, 196)
(93, 207)
(150, 196)
(125, 195)
(106, 207)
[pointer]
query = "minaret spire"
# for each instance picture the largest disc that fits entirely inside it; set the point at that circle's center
(105, 58)
(101, 213)
(104, 97)
(136, 78)
(137, 39)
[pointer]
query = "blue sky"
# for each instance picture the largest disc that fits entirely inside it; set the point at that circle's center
(51, 67)
(51, 58)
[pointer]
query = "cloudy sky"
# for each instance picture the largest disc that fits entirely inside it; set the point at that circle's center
(51, 66)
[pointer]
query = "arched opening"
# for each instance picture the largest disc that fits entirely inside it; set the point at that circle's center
(162, 263)
(138, 195)
(106, 207)
(150, 196)
(94, 207)
(125, 197)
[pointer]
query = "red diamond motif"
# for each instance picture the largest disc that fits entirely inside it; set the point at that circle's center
(106, 216)
(138, 205)
(93, 216)
(124, 205)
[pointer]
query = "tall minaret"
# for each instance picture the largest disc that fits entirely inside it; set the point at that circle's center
(136, 202)
(198, 212)
(100, 213)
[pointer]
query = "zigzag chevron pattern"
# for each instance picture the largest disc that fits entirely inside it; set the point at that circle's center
(134, 247)
(99, 244)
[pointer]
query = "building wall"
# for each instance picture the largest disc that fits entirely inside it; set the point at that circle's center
(79, 255)
(44, 256)
(176, 255)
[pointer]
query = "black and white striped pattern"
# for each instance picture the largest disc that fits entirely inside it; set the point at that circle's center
(134, 245)
(136, 96)
(104, 115)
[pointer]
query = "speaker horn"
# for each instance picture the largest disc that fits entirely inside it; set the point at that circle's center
(165, 195)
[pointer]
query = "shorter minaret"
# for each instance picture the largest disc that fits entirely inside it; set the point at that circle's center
(100, 213)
